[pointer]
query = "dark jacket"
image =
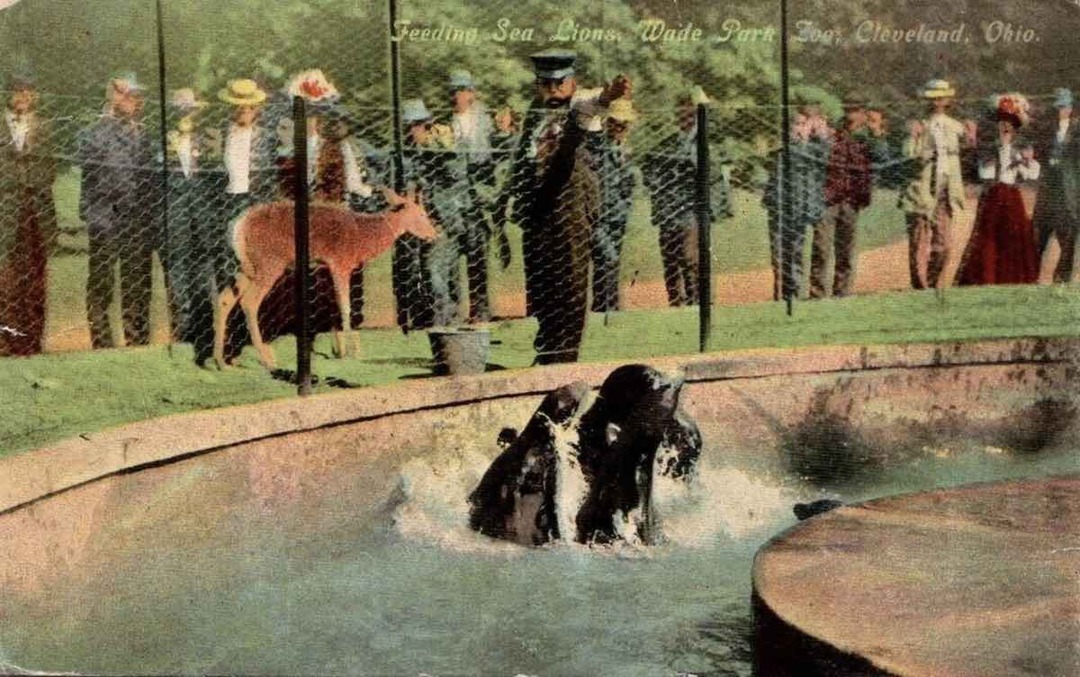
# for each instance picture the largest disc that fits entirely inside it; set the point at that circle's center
(850, 177)
(119, 175)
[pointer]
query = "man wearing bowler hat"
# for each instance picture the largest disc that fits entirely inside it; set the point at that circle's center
(1057, 207)
(556, 197)
(117, 160)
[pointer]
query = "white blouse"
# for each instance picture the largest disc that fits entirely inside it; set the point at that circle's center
(1008, 167)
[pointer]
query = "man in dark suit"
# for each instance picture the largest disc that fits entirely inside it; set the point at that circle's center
(118, 175)
(1056, 214)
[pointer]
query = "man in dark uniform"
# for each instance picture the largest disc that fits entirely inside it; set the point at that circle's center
(556, 197)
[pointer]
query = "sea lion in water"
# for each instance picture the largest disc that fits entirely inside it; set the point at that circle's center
(599, 468)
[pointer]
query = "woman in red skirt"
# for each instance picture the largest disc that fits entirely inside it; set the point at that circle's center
(1002, 249)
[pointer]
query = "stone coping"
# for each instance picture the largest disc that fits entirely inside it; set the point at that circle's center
(36, 474)
(973, 580)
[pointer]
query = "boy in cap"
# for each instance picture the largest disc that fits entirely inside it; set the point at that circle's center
(615, 166)
(933, 197)
(426, 275)
(27, 218)
(556, 198)
(117, 160)
(1057, 207)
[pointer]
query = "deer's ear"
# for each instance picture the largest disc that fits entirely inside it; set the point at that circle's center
(392, 198)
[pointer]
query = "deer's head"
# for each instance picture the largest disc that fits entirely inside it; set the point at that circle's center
(409, 214)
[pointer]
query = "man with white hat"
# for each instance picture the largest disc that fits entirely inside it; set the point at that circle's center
(473, 128)
(1057, 207)
(27, 217)
(117, 160)
(556, 198)
(932, 199)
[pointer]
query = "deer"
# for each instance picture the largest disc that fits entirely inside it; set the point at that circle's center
(262, 238)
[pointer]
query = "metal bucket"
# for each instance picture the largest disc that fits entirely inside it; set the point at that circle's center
(460, 350)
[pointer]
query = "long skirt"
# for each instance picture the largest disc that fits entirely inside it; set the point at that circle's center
(23, 285)
(1002, 248)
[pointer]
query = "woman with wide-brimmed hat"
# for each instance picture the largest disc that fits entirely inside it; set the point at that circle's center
(1002, 246)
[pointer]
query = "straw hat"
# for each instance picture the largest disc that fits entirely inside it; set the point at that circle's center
(242, 92)
(938, 89)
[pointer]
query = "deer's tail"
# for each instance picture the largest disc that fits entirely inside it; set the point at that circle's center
(238, 238)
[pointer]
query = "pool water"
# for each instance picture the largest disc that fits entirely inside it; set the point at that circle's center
(208, 566)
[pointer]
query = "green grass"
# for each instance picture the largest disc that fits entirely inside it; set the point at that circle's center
(739, 244)
(50, 397)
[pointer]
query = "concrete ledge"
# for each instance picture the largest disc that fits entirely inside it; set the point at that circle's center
(977, 580)
(30, 476)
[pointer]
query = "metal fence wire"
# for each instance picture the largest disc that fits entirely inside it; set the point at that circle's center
(119, 207)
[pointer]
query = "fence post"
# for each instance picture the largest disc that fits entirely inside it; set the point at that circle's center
(704, 226)
(303, 255)
(787, 263)
(164, 140)
(395, 96)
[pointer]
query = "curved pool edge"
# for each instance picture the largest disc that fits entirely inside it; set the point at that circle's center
(30, 476)
(804, 619)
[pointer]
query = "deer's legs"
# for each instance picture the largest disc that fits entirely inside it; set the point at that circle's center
(226, 301)
(252, 292)
(342, 289)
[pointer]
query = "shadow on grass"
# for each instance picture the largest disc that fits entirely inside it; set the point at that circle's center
(290, 376)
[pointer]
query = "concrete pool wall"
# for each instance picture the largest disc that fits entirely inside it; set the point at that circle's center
(808, 411)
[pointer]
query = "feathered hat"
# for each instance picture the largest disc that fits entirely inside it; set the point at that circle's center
(1013, 108)
(313, 86)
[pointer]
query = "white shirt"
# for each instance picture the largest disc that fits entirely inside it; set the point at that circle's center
(1011, 170)
(354, 178)
(238, 159)
(1063, 129)
(185, 155)
(19, 128)
(314, 145)
(940, 131)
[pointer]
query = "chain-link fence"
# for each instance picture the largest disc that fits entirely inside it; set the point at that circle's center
(119, 204)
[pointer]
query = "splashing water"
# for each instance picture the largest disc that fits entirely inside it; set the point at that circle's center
(720, 502)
